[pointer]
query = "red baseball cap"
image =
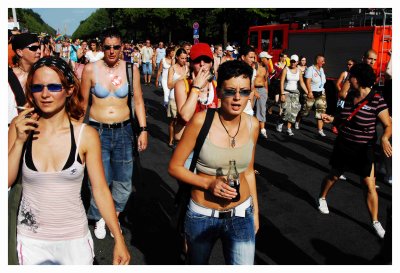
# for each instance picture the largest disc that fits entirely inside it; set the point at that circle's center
(200, 49)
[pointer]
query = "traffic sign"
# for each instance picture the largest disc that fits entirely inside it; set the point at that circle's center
(196, 36)
(195, 31)
(196, 25)
(196, 41)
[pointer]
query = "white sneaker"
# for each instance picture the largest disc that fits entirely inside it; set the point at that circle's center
(378, 229)
(100, 229)
(263, 133)
(342, 177)
(289, 132)
(279, 127)
(297, 125)
(321, 133)
(112, 235)
(323, 206)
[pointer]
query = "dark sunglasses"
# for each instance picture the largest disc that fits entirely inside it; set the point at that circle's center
(202, 58)
(52, 87)
(232, 92)
(108, 47)
(33, 48)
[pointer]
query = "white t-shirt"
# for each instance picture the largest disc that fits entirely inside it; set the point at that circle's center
(92, 58)
(318, 78)
(12, 104)
(147, 54)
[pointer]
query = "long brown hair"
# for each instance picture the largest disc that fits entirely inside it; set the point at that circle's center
(68, 80)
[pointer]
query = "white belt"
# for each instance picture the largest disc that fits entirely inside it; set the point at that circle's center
(239, 210)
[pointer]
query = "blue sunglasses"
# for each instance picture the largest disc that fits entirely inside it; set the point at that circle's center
(52, 87)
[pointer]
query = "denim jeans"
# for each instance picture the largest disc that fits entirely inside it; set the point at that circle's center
(116, 153)
(237, 235)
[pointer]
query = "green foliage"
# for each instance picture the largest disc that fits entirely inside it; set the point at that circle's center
(32, 21)
(164, 24)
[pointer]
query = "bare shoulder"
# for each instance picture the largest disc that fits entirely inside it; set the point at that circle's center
(89, 135)
(198, 118)
(255, 123)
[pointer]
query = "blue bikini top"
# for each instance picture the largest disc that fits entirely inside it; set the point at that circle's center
(101, 92)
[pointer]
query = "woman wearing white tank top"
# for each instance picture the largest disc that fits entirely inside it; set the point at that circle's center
(290, 94)
(52, 227)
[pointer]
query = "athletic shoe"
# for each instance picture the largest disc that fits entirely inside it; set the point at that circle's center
(263, 133)
(378, 229)
(297, 125)
(112, 235)
(323, 206)
(279, 127)
(100, 229)
(321, 133)
(289, 132)
(342, 177)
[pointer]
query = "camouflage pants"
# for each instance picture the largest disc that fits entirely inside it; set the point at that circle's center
(319, 103)
(291, 107)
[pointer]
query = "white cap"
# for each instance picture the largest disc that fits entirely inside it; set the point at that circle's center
(294, 57)
(265, 54)
(229, 48)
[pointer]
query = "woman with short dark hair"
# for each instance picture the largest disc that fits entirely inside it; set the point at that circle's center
(354, 147)
(217, 210)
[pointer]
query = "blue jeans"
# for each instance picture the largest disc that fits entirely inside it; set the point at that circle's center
(116, 153)
(147, 68)
(237, 235)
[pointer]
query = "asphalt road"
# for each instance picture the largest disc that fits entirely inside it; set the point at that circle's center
(292, 230)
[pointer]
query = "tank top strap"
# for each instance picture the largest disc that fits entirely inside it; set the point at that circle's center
(79, 140)
(251, 124)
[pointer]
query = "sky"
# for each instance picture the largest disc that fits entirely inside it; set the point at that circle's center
(60, 18)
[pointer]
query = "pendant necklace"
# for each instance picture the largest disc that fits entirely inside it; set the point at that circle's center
(115, 79)
(233, 141)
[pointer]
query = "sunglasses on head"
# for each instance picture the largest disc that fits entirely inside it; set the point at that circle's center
(33, 48)
(202, 58)
(52, 87)
(232, 92)
(108, 47)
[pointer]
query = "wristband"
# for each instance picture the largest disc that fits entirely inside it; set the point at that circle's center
(143, 129)
(195, 89)
(194, 86)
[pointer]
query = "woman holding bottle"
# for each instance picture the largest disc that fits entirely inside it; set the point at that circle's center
(212, 212)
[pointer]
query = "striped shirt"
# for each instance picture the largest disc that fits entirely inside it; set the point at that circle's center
(51, 206)
(362, 127)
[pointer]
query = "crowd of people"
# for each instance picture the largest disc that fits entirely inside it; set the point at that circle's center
(56, 88)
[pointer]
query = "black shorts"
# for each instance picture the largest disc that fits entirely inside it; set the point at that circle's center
(351, 156)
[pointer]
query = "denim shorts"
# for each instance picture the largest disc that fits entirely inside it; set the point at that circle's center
(116, 153)
(147, 68)
(236, 233)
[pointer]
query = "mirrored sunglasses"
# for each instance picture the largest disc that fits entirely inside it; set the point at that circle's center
(232, 92)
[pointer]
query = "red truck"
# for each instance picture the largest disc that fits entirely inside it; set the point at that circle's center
(337, 44)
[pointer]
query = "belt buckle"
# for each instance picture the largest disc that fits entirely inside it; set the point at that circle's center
(225, 214)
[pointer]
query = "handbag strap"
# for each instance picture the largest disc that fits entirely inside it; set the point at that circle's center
(129, 78)
(16, 88)
(357, 109)
(202, 137)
